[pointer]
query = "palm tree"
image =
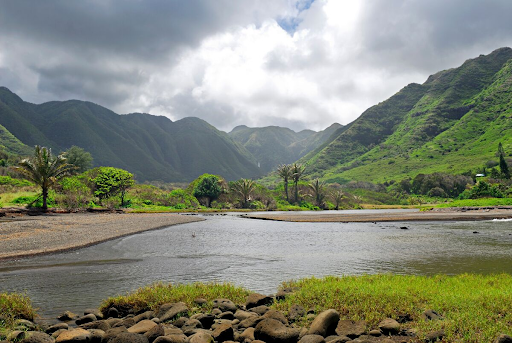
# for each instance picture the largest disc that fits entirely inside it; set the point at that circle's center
(243, 188)
(337, 196)
(318, 189)
(297, 170)
(285, 172)
(44, 170)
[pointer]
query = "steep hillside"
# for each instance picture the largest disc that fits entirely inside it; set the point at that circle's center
(273, 145)
(151, 147)
(12, 145)
(451, 123)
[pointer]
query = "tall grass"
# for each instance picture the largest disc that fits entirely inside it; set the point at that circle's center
(14, 306)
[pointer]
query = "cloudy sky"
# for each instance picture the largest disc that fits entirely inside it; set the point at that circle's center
(300, 64)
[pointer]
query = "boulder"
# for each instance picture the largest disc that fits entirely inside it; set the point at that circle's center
(180, 322)
(312, 339)
(296, 312)
(246, 336)
(277, 315)
(172, 331)
(435, 336)
(206, 320)
(389, 326)
(142, 326)
(113, 321)
(283, 293)
(85, 319)
(350, 328)
(223, 332)
(144, 315)
(58, 332)
(23, 324)
(112, 313)
(242, 315)
(227, 315)
(256, 299)
(250, 322)
(98, 325)
(74, 335)
(113, 333)
(325, 323)
(129, 337)
(273, 331)
(96, 335)
(97, 313)
(200, 302)
(224, 305)
(67, 316)
(375, 333)
(261, 310)
(56, 327)
(177, 309)
(171, 339)
(37, 337)
(201, 337)
(127, 322)
(503, 339)
(155, 332)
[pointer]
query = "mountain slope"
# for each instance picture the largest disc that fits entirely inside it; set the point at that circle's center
(151, 147)
(451, 123)
(12, 145)
(274, 145)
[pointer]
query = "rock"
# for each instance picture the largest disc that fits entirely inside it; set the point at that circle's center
(74, 335)
(223, 333)
(144, 315)
(246, 336)
(435, 336)
(113, 333)
(98, 325)
(389, 326)
(404, 318)
(56, 327)
(200, 302)
(206, 320)
(129, 337)
(250, 322)
(142, 326)
(96, 335)
(325, 323)
(172, 331)
(375, 333)
(94, 311)
(177, 309)
(201, 337)
(155, 332)
(227, 315)
(37, 337)
(337, 339)
(261, 310)
(67, 316)
(404, 228)
(112, 313)
(431, 315)
(219, 322)
(282, 294)
(296, 312)
(256, 299)
(171, 339)
(312, 339)
(180, 322)
(58, 332)
(113, 321)
(224, 305)
(503, 339)
(273, 331)
(127, 322)
(242, 315)
(277, 315)
(25, 324)
(216, 312)
(85, 319)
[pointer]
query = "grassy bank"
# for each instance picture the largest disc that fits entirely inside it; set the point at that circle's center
(478, 202)
(475, 308)
(14, 306)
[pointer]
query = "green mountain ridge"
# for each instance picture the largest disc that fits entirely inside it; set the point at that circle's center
(151, 147)
(274, 145)
(451, 123)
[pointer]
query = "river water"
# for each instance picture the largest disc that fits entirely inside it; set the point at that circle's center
(256, 254)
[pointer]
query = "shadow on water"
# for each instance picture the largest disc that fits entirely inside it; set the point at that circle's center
(256, 254)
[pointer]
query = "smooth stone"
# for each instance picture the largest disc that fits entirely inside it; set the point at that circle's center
(325, 323)
(74, 335)
(96, 335)
(277, 315)
(56, 327)
(86, 319)
(200, 301)
(247, 336)
(37, 337)
(142, 326)
(296, 312)
(337, 339)
(223, 332)
(242, 315)
(110, 334)
(144, 315)
(389, 326)
(171, 339)
(99, 325)
(224, 305)
(67, 316)
(155, 332)
(312, 339)
(256, 299)
(129, 337)
(201, 337)
(177, 309)
(261, 310)
(273, 331)
(97, 313)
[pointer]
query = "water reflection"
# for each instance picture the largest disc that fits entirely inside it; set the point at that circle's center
(258, 255)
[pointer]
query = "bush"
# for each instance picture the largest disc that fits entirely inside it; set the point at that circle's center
(75, 194)
(481, 190)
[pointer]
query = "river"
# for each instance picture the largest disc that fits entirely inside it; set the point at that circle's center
(256, 254)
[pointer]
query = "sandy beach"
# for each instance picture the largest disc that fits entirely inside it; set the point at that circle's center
(51, 233)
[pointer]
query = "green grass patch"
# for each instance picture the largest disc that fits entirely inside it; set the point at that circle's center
(8, 198)
(151, 297)
(14, 306)
(476, 308)
(478, 202)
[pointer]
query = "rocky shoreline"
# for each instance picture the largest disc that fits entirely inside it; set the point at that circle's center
(227, 322)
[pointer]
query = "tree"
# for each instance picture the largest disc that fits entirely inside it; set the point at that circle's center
(337, 197)
(243, 188)
(44, 170)
(285, 172)
(318, 189)
(297, 170)
(78, 157)
(505, 172)
(208, 187)
(110, 181)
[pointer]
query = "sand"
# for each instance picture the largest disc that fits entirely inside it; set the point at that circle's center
(51, 233)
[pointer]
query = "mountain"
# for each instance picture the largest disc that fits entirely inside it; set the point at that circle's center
(151, 147)
(11, 145)
(451, 123)
(273, 145)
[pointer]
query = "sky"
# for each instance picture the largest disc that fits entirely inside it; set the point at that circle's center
(302, 64)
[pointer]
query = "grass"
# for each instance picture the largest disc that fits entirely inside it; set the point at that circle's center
(475, 308)
(14, 306)
(151, 297)
(478, 202)
(8, 197)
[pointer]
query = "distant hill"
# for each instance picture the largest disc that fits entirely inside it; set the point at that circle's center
(451, 123)
(151, 147)
(273, 145)
(12, 145)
